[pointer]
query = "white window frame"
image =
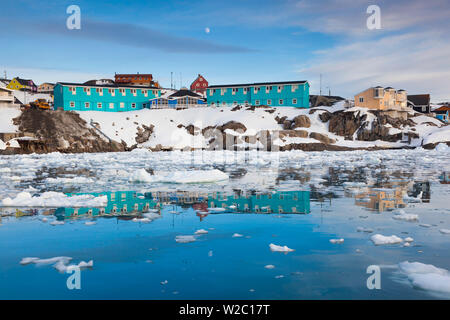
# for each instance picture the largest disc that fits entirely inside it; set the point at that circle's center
(87, 91)
(280, 88)
(294, 87)
(122, 105)
(72, 104)
(257, 102)
(361, 99)
(256, 90)
(111, 105)
(99, 105)
(280, 102)
(269, 102)
(73, 90)
(294, 101)
(123, 92)
(112, 92)
(133, 105)
(87, 105)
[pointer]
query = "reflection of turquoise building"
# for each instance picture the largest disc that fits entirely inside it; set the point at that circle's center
(119, 203)
(279, 202)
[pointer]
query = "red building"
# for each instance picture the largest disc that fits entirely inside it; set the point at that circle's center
(199, 85)
(136, 79)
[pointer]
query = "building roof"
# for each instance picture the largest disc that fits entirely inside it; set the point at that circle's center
(183, 92)
(115, 85)
(419, 99)
(258, 84)
(442, 109)
(24, 82)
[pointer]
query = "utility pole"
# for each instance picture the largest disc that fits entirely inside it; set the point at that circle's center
(320, 85)
(171, 80)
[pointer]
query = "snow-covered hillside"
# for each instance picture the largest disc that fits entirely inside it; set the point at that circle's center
(178, 129)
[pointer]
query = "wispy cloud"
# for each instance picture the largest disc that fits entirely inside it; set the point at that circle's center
(416, 62)
(127, 34)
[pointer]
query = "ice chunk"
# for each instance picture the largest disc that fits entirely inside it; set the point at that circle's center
(237, 235)
(201, 231)
(444, 231)
(185, 239)
(193, 176)
(269, 266)
(406, 216)
(426, 276)
(277, 248)
(379, 239)
(90, 223)
(57, 223)
(54, 199)
(337, 241)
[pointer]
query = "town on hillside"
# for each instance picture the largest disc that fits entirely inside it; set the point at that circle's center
(128, 92)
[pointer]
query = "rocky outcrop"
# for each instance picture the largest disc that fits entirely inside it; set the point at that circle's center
(144, 133)
(61, 131)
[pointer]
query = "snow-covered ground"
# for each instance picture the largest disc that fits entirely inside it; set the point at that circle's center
(169, 126)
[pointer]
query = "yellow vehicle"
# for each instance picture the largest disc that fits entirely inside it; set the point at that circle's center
(40, 104)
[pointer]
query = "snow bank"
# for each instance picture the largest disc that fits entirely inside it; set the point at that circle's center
(276, 248)
(426, 276)
(193, 176)
(6, 123)
(54, 199)
(379, 239)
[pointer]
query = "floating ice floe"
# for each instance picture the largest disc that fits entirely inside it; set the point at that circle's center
(426, 276)
(337, 241)
(75, 180)
(55, 199)
(269, 266)
(276, 248)
(57, 223)
(237, 235)
(201, 231)
(193, 176)
(59, 263)
(379, 239)
(401, 215)
(90, 223)
(444, 231)
(408, 239)
(185, 239)
(425, 225)
(143, 220)
(362, 229)
(217, 209)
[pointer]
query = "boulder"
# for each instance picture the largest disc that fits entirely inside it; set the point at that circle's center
(301, 121)
(321, 137)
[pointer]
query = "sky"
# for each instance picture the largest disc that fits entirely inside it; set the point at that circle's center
(240, 41)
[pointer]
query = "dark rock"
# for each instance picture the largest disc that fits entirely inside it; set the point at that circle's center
(321, 137)
(301, 121)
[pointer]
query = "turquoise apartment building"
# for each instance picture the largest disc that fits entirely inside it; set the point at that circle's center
(109, 98)
(276, 94)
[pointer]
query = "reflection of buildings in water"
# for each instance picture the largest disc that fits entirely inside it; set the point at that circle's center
(444, 178)
(178, 197)
(381, 199)
(422, 190)
(119, 203)
(271, 202)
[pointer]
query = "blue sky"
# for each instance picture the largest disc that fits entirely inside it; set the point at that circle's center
(249, 41)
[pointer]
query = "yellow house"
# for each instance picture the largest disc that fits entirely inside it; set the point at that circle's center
(381, 199)
(22, 84)
(381, 98)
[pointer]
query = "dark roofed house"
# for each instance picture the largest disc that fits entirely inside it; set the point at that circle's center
(181, 99)
(420, 102)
